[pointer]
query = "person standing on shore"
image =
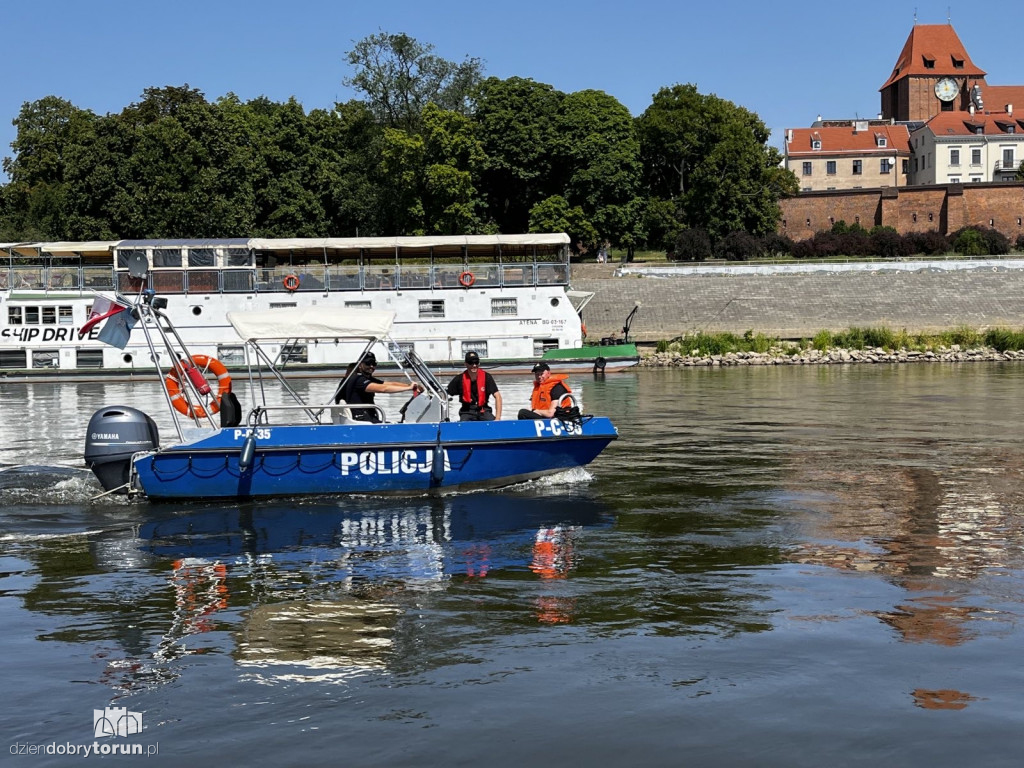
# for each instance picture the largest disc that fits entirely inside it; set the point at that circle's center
(473, 387)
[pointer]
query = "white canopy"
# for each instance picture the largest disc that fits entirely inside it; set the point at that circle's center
(406, 242)
(311, 323)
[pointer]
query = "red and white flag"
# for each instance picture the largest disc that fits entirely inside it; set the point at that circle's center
(102, 308)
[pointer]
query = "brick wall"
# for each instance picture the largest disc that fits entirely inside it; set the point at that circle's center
(940, 208)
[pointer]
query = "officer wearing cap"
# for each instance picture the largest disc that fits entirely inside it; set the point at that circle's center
(473, 387)
(361, 385)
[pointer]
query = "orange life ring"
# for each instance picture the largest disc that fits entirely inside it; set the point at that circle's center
(291, 282)
(178, 399)
(467, 279)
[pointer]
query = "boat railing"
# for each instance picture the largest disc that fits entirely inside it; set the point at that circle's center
(317, 414)
(309, 278)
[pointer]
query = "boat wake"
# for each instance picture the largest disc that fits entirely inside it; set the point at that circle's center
(35, 485)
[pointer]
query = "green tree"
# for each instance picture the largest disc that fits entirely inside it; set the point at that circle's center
(600, 154)
(712, 158)
(516, 123)
(400, 76)
(555, 214)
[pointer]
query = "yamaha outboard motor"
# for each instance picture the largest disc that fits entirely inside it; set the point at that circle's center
(115, 434)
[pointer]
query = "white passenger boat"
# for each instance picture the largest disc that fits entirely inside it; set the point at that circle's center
(505, 297)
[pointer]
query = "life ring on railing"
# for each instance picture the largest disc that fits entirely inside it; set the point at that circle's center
(466, 279)
(291, 282)
(203, 364)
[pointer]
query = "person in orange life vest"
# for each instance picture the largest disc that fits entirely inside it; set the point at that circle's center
(548, 392)
(473, 387)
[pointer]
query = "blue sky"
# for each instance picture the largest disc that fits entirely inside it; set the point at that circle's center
(788, 62)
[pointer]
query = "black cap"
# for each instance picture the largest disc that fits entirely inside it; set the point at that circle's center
(541, 367)
(472, 358)
(370, 358)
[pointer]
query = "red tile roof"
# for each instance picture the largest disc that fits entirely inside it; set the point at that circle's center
(996, 97)
(845, 140)
(939, 44)
(965, 124)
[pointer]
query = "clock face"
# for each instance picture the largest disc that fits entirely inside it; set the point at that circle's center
(947, 89)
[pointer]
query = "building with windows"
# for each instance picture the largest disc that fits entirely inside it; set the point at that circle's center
(956, 140)
(850, 154)
(962, 148)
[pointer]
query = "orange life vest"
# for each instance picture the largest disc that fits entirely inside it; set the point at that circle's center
(481, 388)
(541, 398)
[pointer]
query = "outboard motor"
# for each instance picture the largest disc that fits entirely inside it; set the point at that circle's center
(115, 434)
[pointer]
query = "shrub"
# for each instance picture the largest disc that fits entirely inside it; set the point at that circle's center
(997, 243)
(692, 245)
(928, 243)
(804, 249)
(822, 340)
(969, 242)
(888, 243)
(775, 244)
(1003, 339)
(739, 246)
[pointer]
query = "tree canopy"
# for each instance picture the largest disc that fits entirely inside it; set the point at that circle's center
(433, 147)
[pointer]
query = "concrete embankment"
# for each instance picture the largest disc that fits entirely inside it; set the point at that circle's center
(919, 297)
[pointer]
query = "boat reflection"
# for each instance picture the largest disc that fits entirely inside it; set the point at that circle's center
(320, 591)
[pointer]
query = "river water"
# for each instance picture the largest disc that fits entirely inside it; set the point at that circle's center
(773, 566)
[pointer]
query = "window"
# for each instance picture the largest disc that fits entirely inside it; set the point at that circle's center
(504, 306)
(975, 157)
(65, 316)
(954, 157)
(14, 316)
(947, 106)
(1011, 129)
(816, 144)
(49, 315)
(957, 63)
(231, 354)
(954, 179)
(882, 141)
(432, 308)
(858, 166)
(31, 315)
(89, 358)
(929, 63)
(45, 358)
(480, 347)
(807, 169)
(282, 304)
(884, 166)
(830, 167)
(358, 304)
(1008, 158)
(975, 178)
(906, 167)
(294, 353)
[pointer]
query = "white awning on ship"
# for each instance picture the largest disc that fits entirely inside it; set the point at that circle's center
(579, 299)
(311, 323)
(74, 248)
(354, 243)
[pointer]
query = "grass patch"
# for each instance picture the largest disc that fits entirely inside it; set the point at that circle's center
(703, 344)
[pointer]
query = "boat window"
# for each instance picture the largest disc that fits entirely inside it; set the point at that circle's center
(231, 355)
(432, 308)
(480, 347)
(167, 257)
(294, 353)
(49, 315)
(65, 316)
(540, 346)
(125, 256)
(89, 358)
(45, 358)
(238, 257)
(358, 305)
(12, 358)
(31, 315)
(14, 316)
(201, 257)
(504, 307)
